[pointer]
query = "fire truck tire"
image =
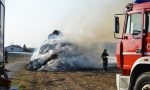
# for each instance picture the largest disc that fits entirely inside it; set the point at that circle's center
(143, 82)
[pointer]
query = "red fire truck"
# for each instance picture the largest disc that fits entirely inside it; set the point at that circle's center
(133, 47)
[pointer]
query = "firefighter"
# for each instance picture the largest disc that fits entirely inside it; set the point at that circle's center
(105, 60)
(6, 56)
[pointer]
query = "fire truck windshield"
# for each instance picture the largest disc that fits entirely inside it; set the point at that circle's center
(134, 24)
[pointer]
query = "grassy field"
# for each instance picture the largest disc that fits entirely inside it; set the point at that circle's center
(71, 80)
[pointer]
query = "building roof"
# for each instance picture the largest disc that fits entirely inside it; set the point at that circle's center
(17, 46)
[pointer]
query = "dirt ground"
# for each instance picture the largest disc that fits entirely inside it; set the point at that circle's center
(71, 80)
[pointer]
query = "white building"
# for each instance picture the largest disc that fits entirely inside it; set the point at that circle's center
(14, 48)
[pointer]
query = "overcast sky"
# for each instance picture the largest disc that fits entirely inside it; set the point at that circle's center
(31, 21)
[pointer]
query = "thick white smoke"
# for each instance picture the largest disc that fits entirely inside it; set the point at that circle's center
(57, 53)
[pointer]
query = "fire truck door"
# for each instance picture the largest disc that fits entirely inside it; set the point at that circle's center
(146, 38)
(132, 40)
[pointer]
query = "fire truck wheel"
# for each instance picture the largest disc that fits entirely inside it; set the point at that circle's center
(143, 82)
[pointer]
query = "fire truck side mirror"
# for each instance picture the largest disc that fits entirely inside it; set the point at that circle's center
(116, 24)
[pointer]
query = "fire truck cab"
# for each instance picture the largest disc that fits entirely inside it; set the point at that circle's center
(133, 47)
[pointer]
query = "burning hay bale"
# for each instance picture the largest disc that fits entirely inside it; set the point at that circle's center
(59, 54)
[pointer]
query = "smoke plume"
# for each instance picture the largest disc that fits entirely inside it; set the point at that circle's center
(87, 23)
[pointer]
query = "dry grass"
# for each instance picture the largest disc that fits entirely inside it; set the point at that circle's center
(79, 80)
(12, 59)
(75, 80)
